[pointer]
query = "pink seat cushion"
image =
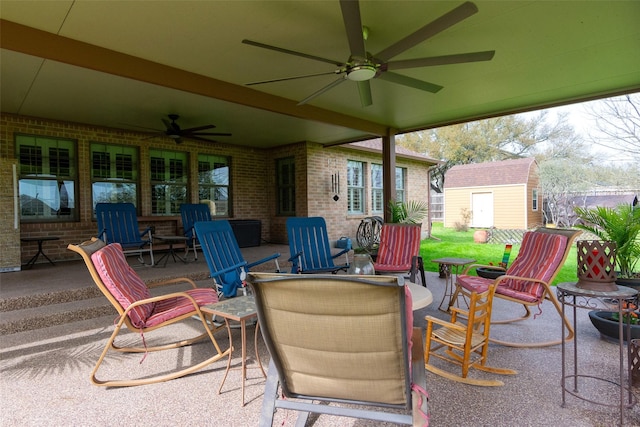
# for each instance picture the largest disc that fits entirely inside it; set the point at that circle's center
(123, 283)
(399, 243)
(539, 257)
(174, 307)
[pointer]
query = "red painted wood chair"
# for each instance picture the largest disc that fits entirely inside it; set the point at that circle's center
(399, 251)
(528, 279)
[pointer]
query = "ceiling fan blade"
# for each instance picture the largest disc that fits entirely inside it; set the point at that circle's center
(410, 82)
(364, 89)
(447, 20)
(197, 128)
(208, 133)
(291, 78)
(167, 124)
(323, 90)
(197, 138)
(353, 25)
(440, 60)
(291, 52)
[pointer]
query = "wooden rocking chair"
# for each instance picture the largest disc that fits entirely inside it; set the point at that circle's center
(142, 313)
(464, 343)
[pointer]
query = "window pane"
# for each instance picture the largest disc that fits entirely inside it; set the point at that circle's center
(355, 187)
(213, 180)
(286, 191)
(47, 178)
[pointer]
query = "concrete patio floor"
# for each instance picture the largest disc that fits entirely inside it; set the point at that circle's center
(45, 372)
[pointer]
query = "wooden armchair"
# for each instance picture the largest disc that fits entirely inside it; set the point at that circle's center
(464, 340)
(143, 313)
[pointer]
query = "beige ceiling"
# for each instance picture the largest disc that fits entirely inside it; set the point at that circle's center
(140, 60)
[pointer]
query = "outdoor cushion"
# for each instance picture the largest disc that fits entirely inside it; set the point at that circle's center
(123, 282)
(538, 258)
(174, 307)
(398, 244)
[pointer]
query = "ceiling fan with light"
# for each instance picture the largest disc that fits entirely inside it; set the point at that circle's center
(362, 66)
(175, 132)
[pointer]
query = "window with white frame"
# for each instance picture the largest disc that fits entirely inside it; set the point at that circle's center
(377, 202)
(114, 174)
(534, 199)
(355, 187)
(48, 177)
(168, 181)
(286, 192)
(213, 181)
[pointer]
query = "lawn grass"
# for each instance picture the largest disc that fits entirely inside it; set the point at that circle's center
(447, 242)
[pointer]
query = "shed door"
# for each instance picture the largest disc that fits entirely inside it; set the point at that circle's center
(482, 209)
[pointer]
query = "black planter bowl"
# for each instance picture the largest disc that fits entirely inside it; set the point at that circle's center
(489, 273)
(607, 326)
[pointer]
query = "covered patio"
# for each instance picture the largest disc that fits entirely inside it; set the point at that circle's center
(45, 371)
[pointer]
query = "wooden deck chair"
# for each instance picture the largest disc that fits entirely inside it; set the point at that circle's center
(192, 213)
(142, 313)
(310, 249)
(118, 223)
(344, 340)
(528, 280)
(399, 251)
(464, 341)
(227, 266)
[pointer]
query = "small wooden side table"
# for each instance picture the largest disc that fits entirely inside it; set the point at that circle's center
(40, 239)
(240, 309)
(451, 267)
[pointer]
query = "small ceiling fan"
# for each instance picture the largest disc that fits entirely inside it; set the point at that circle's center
(362, 66)
(174, 131)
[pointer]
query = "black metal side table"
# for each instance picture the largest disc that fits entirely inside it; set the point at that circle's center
(570, 295)
(40, 240)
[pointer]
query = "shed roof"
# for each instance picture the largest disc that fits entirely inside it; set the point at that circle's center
(505, 172)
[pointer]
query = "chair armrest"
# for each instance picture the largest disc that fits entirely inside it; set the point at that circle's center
(446, 323)
(263, 260)
(160, 298)
(228, 269)
(102, 235)
(342, 252)
(172, 281)
(147, 231)
(469, 267)
(294, 256)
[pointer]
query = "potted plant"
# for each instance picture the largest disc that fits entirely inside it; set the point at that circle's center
(411, 212)
(622, 226)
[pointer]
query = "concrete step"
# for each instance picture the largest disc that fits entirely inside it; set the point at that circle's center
(25, 313)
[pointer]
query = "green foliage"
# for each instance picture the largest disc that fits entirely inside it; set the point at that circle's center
(411, 212)
(620, 225)
(447, 242)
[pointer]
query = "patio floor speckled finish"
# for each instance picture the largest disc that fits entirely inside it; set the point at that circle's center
(45, 375)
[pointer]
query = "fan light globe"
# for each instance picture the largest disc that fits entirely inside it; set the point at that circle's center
(361, 73)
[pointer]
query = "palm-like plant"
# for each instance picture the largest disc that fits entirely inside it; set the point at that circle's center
(620, 225)
(411, 212)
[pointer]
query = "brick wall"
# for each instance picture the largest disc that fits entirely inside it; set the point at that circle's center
(252, 182)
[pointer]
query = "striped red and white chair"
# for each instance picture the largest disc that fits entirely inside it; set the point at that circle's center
(399, 251)
(528, 281)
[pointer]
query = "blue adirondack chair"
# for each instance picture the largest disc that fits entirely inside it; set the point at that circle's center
(310, 249)
(118, 223)
(227, 266)
(192, 213)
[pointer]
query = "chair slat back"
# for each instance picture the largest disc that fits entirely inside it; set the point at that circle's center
(399, 243)
(309, 237)
(336, 337)
(192, 213)
(118, 223)
(221, 250)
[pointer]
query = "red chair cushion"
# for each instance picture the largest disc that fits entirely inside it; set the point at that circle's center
(174, 307)
(539, 257)
(123, 282)
(399, 243)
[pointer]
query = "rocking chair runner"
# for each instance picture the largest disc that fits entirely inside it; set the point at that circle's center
(464, 343)
(142, 313)
(528, 280)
